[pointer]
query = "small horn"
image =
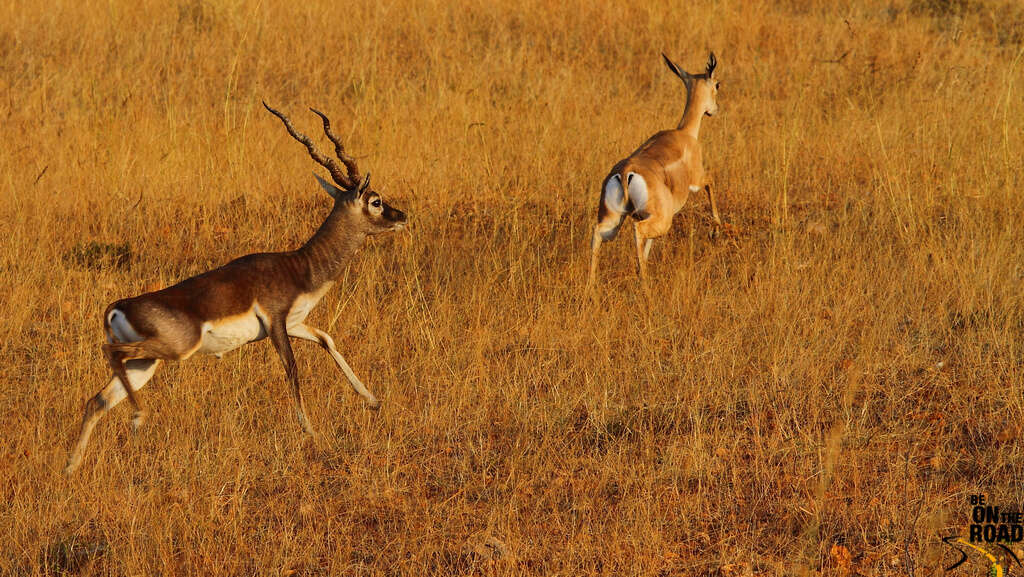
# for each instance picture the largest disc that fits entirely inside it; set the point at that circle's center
(366, 184)
(712, 63)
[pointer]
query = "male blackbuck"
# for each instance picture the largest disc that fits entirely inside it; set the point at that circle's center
(652, 184)
(250, 298)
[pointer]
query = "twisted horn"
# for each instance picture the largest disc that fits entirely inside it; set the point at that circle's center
(339, 177)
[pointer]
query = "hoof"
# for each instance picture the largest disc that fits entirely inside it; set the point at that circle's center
(71, 465)
(138, 419)
(306, 427)
(374, 405)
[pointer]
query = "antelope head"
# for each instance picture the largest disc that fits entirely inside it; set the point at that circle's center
(378, 215)
(353, 193)
(701, 89)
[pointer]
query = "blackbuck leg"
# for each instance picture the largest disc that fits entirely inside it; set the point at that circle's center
(647, 248)
(279, 336)
(605, 230)
(323, 339)
(116, 358)
(138, 372)
(641, 256)
(714, 207)
(150, 349)
(595, 247)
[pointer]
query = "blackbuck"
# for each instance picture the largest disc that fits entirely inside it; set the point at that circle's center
(652, 184)
(256, 296)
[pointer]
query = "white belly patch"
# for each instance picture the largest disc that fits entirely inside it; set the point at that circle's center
(228, 334)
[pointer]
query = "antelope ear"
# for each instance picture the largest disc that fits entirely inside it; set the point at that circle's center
(332, 190)
(712, 63)
(365, 185)
(682, 74)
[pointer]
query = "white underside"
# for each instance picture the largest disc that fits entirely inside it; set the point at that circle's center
(228, 334)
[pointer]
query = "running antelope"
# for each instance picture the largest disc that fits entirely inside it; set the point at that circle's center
(652, 184)
(257, 296)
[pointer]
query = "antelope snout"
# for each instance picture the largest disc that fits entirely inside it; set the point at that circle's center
(396, 217)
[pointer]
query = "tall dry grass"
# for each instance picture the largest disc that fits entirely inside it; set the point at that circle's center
(816, 393)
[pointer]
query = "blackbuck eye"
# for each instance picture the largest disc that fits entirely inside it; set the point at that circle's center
(716, 85)
(376, 203)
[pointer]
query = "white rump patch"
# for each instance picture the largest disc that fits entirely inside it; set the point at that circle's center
(637, 193)
(614, 196)
(123, 330)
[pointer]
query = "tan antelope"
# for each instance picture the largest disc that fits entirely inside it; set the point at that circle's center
(653, 183)
(256, 296)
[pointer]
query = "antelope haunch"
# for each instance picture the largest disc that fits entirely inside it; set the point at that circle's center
(256, 296)
(653, 183)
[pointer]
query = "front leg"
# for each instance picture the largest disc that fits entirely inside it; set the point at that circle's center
(279, 336)
(324, 340)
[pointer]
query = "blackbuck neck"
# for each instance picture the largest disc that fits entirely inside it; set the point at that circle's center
(692, 116)
(330, 248)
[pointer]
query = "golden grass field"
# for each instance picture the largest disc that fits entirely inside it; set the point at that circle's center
(816, 392)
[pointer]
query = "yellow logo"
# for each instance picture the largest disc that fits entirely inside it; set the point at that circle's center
(994, 570)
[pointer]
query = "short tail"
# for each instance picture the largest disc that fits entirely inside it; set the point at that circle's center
(636, 188)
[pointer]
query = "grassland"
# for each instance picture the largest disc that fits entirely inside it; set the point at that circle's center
(817, 392)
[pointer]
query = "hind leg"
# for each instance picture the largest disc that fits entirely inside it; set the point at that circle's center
(641, 254)
(595, 246)
(118, 354)
(138, 372)
(606, 229)
(117, 357)
(714, 210)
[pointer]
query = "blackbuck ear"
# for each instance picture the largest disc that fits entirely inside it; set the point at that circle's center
(712, 63)
(365, 185)
(683, 75)
(336, 193)
(332, 190)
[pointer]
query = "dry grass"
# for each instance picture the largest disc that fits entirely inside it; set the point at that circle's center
(833, 378)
